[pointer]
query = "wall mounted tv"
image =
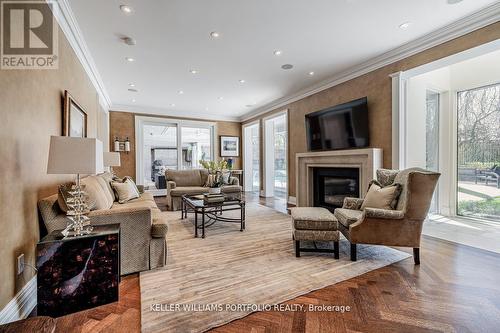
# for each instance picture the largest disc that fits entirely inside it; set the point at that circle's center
(339, 127)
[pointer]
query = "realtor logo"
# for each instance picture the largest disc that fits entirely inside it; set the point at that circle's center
(28, 35)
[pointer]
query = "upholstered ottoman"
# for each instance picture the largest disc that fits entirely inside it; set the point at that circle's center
(314, 224)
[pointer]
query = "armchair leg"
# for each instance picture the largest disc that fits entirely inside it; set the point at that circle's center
(416, 255)
(353, 252)
(336, 250)
(297, 248)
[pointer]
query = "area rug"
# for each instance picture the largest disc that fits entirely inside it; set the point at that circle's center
(206, 280)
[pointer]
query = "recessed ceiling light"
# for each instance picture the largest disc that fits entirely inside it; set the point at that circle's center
(131, 85)
(242, 81)
(404, 25)
(250, 105)
(287, 66)
(126, 9)
(181, 92)
(133, 100)
(221, 98)
(277, 52)
(311, 73)
(214, 34)
(129, 59)
(172, 105)
(193, 71)
(132, 90)
(452, 2)
(206, 109)
(129, 41)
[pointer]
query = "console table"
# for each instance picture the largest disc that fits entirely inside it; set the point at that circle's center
(78, 273)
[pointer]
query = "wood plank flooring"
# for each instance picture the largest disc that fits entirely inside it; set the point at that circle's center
(455, 289)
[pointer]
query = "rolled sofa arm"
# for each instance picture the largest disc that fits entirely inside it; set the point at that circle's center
(171, 185)
(135, 235)
(234, 181)
(387, 214)
(352, 203)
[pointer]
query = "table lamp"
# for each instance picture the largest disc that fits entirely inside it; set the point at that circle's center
(80, 156)
(111, 159)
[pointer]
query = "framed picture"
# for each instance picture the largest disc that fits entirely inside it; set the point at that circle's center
(229, 146)
(74, 118)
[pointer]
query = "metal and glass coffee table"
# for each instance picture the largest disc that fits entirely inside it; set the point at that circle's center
(206, 213)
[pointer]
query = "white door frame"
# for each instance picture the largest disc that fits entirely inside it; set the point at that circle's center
(399, 109)
(243, 152)
(265, 190)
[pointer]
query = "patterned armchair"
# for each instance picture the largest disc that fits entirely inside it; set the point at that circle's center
(399, 227)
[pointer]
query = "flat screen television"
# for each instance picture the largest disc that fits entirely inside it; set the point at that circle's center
(339, 127)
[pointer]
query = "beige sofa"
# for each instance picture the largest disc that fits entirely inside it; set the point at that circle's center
(142, 227)
(180, 182)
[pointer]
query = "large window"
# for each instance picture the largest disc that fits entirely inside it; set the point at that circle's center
(170, 144)
(478, 147)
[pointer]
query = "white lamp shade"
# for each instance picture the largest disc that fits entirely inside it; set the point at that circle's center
(69, 155)
(111, 159)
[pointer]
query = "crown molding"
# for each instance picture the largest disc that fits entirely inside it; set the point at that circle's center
(147, 110)
(21, 305)
(463, 26)
(68, 24)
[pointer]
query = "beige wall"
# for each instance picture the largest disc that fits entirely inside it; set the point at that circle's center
(31, 111)
(377, 86)
(122, 125)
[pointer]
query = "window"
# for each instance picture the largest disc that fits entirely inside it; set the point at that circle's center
(196, 146)
(478, 147)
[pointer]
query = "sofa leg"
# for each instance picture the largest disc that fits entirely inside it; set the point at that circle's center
(336, 249)
(353, 252)
(297, 248)
(416, 255)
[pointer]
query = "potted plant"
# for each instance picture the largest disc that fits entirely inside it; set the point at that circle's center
(215, 174)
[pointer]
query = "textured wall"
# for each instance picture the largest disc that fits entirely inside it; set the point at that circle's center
(122, 125)
(31, 111)
(377, 86)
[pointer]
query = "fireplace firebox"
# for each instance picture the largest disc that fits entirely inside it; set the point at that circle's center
(332, 185)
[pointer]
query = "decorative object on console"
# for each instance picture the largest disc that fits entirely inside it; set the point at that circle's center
(78, 273)
(74, 118)
(69, 155)
(111, 159)
(229, 146)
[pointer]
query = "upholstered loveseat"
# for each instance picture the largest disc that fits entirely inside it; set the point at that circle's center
(193, 182)
(142, 227)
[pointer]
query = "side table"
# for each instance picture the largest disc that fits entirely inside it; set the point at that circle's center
(78, 273)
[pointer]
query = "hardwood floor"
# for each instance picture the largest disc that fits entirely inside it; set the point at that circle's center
(456, 288)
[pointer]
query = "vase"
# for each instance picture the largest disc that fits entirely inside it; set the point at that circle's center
(214, 190)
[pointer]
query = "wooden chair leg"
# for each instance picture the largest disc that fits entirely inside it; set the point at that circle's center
(353, 252)
(416, 255)
(297, 248)
(336, 249)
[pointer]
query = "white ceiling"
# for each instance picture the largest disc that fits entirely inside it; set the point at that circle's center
(173, 37)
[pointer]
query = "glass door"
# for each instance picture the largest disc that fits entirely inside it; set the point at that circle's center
(159, 152)
(478, 152)
(251, 139)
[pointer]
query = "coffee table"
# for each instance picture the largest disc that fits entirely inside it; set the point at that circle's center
(211, 213)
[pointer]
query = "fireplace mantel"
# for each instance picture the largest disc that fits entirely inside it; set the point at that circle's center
(368, 160)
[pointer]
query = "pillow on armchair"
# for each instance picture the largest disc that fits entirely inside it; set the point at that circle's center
(382, 197)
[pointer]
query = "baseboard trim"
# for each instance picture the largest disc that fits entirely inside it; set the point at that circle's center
(292, 200)
(21, 305)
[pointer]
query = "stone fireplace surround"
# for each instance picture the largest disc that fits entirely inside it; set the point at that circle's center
(367, 160)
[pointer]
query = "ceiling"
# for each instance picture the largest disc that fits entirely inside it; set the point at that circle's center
(173, 37)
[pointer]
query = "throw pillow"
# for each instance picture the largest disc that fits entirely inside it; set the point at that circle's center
(226, 177)
(126, 190)
(381, 197)
(63, 194)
